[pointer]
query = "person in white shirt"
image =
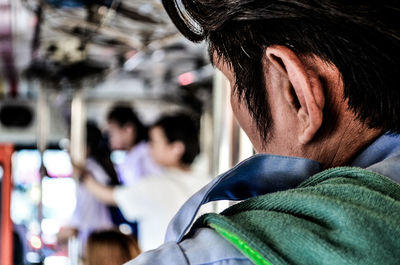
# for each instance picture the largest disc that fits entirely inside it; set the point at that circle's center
(174, 144)
(128, 133)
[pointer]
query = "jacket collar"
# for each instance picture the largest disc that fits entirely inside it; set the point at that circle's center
(261, 174)
(257, 175)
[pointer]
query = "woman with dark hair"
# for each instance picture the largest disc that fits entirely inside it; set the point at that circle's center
(90, 214)
(98, 150)
(128, 133)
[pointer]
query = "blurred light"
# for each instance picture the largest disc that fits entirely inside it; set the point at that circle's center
(158, 55)
(33, 257)
(57, 163)
(34, 194)
(125, 229)
(21, 207)
(118, 156)
(49, 240)
(26, 165)
(186, 78)
(59, 197)
(134, 61)
(35, 242)
(57, 260)
(34, 227)
(64, 144)
(50, 226)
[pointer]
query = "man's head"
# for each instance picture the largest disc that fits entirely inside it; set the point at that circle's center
(174, 140)
(124, 127)
(304, 71)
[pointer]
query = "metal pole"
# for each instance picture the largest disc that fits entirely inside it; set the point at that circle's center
(42, 136)
(78, 128)
(77, 153)
(43, 120)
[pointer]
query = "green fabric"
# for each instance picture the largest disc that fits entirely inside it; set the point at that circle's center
(339, 216)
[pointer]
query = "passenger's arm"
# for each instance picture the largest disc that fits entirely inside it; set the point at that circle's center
(101, 192)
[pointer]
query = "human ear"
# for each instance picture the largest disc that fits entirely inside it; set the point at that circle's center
(178, 149)
(130, 130)
(305, 92)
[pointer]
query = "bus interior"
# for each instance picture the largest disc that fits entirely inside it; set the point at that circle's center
(64, 62)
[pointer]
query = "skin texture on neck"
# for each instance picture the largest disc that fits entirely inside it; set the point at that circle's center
(341, 136)
(311, 118)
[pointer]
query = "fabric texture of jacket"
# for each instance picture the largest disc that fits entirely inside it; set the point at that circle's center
(340, 216)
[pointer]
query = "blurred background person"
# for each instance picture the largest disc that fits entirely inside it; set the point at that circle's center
(91, 214)
(110, 247)
(174, 144)
(128, 133)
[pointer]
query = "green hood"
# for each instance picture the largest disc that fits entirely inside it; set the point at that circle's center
(339, 216)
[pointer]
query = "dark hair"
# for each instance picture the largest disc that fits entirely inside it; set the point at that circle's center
(99, 151)
(182, 127)
(110, 247)
(361, 38)
(125, 115)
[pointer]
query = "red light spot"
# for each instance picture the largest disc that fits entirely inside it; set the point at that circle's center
(186, 79)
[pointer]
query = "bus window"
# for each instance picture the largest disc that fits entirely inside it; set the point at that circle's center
(56, 192)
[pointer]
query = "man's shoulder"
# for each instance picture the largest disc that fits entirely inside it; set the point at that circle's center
(204, 246)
